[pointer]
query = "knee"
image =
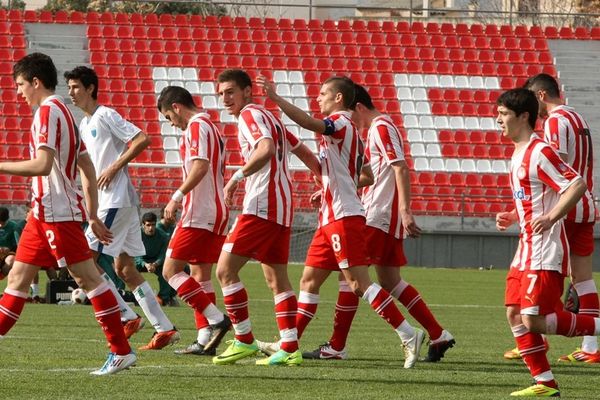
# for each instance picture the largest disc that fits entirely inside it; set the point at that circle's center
(126, 273)
(534, 323)
(513, 316)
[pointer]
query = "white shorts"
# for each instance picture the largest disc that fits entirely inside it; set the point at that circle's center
(124, 223)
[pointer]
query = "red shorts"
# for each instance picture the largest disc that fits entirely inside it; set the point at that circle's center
(48, 245)
(384, 249)
(535, 292)
(184, 245)
(581, 237)
(340, 244)
(260, 239)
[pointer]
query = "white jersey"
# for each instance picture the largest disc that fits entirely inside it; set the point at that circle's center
(384, 147)
(341, 152)
(204, 206)
(569, 134)
(537, 177)
(56, 197)
(269, 190)
(106, 135)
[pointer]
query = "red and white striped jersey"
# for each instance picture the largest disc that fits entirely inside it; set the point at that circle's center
(204, 206)
(342, 157)
(569, 134)
(269, 190)
(537, 177)
(384, 147)
(56, 197)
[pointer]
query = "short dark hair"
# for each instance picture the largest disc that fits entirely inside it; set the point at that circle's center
(543, 82)
(4, 215)
(363, 97)
(86, 75)
(520, 100)
(174, 94)
(37, 65)
(240, 77)
(149, 217)
(343, 85)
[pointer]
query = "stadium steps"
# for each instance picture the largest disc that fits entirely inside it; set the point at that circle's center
(578, 66)
(66, 44)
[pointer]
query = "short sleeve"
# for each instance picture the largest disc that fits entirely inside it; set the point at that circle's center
(119, 126)
(292, 140)
(391, 143)
(255, 126)
(554, 172)
(47, 128)
(197, 141)
(335, 126)
(556, 133)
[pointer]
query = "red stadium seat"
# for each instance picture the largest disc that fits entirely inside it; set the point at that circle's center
(566, 33)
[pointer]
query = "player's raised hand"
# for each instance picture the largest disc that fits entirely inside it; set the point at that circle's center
(267, 86)
(100, 230)
(315, 199)
(505, 219)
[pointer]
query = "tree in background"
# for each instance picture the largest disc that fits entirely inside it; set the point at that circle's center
(12, 5)
(143, 7)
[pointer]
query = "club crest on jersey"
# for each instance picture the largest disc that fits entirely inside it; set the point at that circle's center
(521, 172)
(322, 155)
(520, 195)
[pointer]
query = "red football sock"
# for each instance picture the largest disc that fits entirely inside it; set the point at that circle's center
(533, 350)
(11, 306)
(108, 316)
(307, 307)
(411, 299)
(235, 298)
(286, 308)
(201, 321)
(588, 298)
(568, 324)
(345, 309)
(384, 305)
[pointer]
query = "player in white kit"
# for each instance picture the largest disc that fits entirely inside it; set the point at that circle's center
(106, 135)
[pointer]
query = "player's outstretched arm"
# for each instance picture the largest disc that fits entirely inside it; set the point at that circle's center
(308, 158)
(296, 114)
(197, 172)
(138, 144)
(402, 175)
(90, 193)
(41, 165)
(568, 200)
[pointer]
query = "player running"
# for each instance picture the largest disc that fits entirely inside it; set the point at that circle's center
(53, 234)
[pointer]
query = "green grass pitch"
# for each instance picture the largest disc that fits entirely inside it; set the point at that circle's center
(52, 349)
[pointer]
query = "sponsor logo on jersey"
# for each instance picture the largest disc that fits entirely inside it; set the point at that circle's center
(520, 195)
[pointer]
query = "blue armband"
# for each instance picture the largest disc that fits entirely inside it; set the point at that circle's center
(329, 127)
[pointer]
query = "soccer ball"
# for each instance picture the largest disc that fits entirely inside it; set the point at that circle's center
(78, 296)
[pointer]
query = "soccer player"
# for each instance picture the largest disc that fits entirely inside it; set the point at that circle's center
(388, 219)
(262, 230)
(203, 219)
(544, 189)
(53, 234)
(338, 243)
(569, 134)
(106, 135)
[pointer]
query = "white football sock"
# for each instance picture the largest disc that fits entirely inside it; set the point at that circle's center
(127, 314)
(154, 313)
(204, 335)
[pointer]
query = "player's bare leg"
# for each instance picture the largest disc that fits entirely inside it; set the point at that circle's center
(583, 282)
(382, 303)
(440, 339)
(197, 291)
(165, 331)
